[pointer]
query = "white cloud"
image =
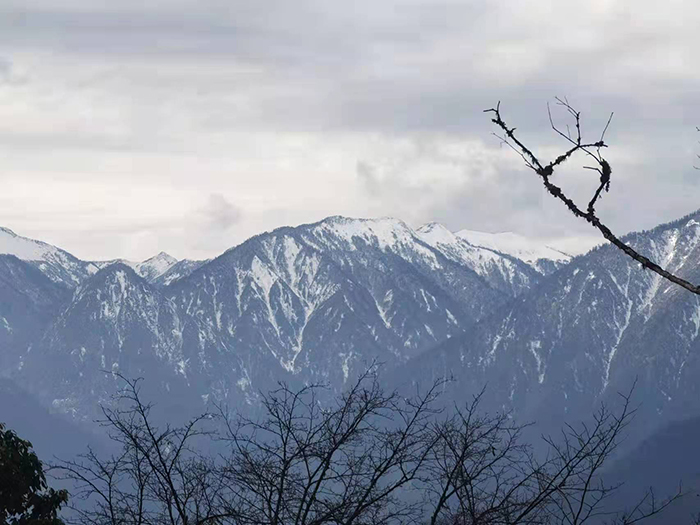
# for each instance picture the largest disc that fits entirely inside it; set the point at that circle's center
(119, 122)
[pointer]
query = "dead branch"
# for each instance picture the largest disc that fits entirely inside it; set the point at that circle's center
(593, 150)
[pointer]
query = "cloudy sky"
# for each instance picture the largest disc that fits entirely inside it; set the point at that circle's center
(136, 126)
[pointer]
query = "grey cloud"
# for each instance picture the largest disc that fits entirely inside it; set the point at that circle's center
(5, 69)
(220, 214)
(391, 66)
(455, 190)
(368, 178)
(8, 74)
(171, 77)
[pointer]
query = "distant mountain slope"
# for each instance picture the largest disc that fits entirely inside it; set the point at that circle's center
(66, 269)
(51, 435)
(664, 461)
(115, 323)
(486, 257)
(324, 300)
(58, 265)
(161, 268)
(589, 331)
(318, 302)
(503, 271)
(153, 268)
(29, 301)
(177, 271)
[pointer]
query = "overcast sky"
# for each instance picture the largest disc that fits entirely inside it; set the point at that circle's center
(190, 125)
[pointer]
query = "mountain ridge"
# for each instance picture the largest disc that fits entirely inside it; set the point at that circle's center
(320, 301)
(161, 268)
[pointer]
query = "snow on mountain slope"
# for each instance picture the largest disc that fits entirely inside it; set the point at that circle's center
(317, 302)
(63, 268)
(350, 234)
(340, 237)
(23, 248)
(29, 301)
(504, 272)
(115, 322)
(591, 330)
(528, 250)
(58, 265)
(179, 270)
(321, 301)
(151, 269)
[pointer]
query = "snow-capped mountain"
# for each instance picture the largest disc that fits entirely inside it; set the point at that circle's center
(540, 256)
(151, 269)
(66, 269)
(316, 302)
(58, 265)
(63, 268)
(115, 322)
(29, 301)
(177, 271)
(320, 301)
(502, 270)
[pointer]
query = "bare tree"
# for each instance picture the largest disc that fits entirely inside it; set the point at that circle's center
(593, 151)
(160, 475)
(482, 472)
(363, 457)
(302, 463)
(476, 467)
(353, 462)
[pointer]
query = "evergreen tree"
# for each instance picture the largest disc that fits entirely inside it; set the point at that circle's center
(25, 498)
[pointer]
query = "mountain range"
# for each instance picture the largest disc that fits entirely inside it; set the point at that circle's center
(549, 335)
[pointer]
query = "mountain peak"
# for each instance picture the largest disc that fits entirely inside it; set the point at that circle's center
(117, 267)
(341, 220)
(162, 256)
(434, 232)
(384, 231)
(8, 231)
(152, 268)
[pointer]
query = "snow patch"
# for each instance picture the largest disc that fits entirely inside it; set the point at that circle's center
(525, 249)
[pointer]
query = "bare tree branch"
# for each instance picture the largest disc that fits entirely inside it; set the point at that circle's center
(545, 170)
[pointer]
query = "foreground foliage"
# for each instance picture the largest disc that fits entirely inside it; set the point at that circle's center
(25, 498)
